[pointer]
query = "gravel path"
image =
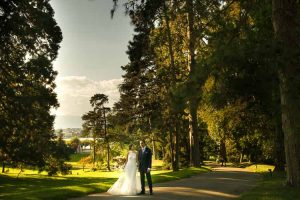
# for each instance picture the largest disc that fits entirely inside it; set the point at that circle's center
(221, 183)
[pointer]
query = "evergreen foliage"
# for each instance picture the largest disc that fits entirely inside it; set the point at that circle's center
(222, 74)
(29, 38)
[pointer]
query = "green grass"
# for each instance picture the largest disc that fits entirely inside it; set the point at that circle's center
(31, 185)
(260, 168)
(184, 173)
(272, 187)
(76, 157)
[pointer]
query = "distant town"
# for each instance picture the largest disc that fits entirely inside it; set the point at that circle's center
(70, 132)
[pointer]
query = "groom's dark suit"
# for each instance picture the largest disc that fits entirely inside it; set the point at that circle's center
(145, 162)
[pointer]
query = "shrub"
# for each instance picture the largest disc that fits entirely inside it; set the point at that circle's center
(55, 166)
(85, 160)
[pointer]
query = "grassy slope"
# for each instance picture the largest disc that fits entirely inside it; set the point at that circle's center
(271, 186)
(31, 185)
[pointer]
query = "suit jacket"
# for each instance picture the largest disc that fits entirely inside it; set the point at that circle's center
(145, 159)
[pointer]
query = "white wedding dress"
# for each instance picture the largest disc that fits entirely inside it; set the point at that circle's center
(129, 183)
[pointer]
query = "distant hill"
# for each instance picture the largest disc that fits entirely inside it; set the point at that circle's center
(70, 132)
(63, 122)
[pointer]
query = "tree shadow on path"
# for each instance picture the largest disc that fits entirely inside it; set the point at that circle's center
(221, 183)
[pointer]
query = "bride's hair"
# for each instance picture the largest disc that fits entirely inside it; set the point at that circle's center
(130, 146)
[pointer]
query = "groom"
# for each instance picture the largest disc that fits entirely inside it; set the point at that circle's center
(145, 161)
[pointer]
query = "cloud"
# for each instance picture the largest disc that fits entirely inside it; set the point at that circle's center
(74, 93)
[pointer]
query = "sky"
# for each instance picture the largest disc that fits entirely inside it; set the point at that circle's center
(91, 55)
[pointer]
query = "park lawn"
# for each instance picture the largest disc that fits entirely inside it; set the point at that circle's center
(260, 168)
(77, 156)
(271, 186)
(34, 186)
(31, 185)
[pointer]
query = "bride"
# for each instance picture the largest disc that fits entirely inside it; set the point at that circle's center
(128, 183)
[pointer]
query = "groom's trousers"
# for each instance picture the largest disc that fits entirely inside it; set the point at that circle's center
(149, 180)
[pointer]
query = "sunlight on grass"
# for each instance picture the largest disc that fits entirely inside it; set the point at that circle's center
(156, 163)
(272, 187)
(15, 172)
(34, 185)
(260, 168)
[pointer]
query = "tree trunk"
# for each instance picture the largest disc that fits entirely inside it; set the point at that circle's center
(107, 141)
(279, 155)
(223, 153)
(193, 102)
(108, 157)
(152, 138)
(290, 124)
(3, 167)
(186, 145)
(193, 124)
(241, 156)
(175, 163)
(286, 27)
(94, 152)
(172, 148)
(153, 147)
(191, 141)
(279, 145)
